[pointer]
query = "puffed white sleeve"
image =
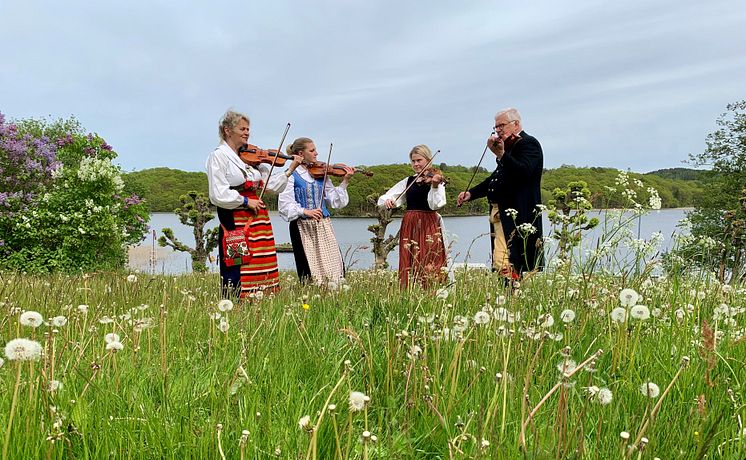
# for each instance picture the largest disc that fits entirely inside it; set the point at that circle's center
(219, 190)
(277, 182)
(436, 197)
(336, 197)
(396, 190)
(289, 209)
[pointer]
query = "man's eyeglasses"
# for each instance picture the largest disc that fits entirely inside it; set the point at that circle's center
(502, 125)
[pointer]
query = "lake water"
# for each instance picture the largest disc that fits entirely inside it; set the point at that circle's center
(468, 238)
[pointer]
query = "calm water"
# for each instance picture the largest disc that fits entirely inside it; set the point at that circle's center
(468, 237)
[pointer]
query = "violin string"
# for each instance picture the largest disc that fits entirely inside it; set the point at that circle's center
(274, 160)
(417, 176)
(326, 172)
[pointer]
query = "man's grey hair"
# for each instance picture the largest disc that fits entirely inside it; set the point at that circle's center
(511, 113)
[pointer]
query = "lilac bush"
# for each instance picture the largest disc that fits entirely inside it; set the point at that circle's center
(63, 203)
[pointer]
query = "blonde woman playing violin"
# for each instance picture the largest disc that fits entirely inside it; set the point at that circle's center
(305, 203)
(421, 248)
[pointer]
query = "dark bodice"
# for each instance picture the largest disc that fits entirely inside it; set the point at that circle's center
(417, 195)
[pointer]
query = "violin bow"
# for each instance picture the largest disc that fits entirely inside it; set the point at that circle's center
(326, 173)
(417, 176)
(271, 168)
(477, 168)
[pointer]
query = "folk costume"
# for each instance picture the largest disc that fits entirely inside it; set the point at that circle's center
(315, 247)
(422, 254)
(229, 181)
(515, 184)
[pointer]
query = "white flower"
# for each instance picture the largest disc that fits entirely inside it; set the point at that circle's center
(512, 213)
(624, 435)
(112, 337)
(259, 295)
(115, 346)
(567, 316)
(131, 278)
(31, 319)
(526, 229)
(567, 366)
(618, 315)
(545, 321)
(224, 325)
(604, 396)
(357, 401)
(481, 317)
(640, 312)
(83, 309)
(628, 297)
(225, 305)
(679, 313)
(23, 350)
(650, 389)
(58, 321)
(304, 422)
(441, 293)
(106, 320)
(414, 352)
(54, 385)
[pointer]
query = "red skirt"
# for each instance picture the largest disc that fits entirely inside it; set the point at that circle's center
(260, 273)
(422, 254)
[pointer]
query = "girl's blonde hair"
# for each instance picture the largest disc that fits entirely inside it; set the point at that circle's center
(298, 146)
(422, 150)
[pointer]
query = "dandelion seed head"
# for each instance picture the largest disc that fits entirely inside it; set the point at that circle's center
(83, 309)
(112, 337)
(115, 346)
(618, 315)
(58, 321)
(481, 317)
(357, 401)
(604, 396)
(23, 350)
(628, 297)
(131, 278)
(640, 312)
(624, 435)
(224, 325)
(304, 422)
(225, 305)
(54, 385)
(567, 316)
(31, 319)
(650, 389)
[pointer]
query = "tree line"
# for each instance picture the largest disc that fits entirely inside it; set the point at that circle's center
(678, 187)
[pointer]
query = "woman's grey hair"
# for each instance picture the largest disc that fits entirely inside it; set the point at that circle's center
(422, 150)
(229, 121)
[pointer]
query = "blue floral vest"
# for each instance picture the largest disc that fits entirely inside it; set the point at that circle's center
(308, 194)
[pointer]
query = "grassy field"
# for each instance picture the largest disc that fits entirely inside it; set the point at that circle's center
(369, 371)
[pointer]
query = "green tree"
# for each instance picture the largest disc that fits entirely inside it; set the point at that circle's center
(195, 212)
(720, 214)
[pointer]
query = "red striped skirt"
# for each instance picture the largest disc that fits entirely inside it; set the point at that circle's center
(261, 273)
(422, 254)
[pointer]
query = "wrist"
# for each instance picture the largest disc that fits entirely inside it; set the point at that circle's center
(245, 202)
(288, 173)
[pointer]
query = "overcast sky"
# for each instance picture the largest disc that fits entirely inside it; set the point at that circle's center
(631, 84)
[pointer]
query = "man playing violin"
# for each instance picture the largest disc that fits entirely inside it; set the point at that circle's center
(305, 204)
(514, 193)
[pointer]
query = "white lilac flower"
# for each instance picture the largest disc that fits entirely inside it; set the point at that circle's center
(58, 321)
(618, 315)
(304, 422)
(23, 350)
(31, 319)
(131, 278)
(112, 337)
(223, 326)
(567, 316)
(115, 346)
(640, 312)
(83, 309)
(357, 401)
(650, 389)
(225, 305)
(628, 297)
(481, 317)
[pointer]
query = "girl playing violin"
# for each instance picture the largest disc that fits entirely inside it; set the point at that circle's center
(305, 203)
(421, 249)
(233, 188)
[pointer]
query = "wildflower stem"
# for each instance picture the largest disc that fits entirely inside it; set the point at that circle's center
(13, 404)
(314, 436)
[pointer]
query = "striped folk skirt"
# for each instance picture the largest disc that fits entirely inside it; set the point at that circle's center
(422, 254)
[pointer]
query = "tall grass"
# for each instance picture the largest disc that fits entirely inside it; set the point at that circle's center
(443, 380)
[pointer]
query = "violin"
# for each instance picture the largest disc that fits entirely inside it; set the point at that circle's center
(318, 169)
(429, 173)
(254, 156)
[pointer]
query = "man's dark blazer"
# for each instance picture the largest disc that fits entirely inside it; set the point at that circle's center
(516, 184)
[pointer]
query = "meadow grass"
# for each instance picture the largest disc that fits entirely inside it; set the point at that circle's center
(470, 371)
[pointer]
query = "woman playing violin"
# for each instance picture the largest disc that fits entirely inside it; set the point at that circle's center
(234, 188)
(305, 203)
(421, 248)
